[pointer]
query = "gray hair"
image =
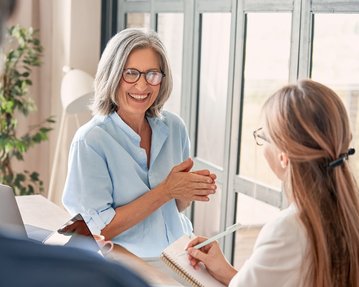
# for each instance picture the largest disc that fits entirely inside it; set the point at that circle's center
(112, 63)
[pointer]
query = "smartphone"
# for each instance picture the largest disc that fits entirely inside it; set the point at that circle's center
(74, 233)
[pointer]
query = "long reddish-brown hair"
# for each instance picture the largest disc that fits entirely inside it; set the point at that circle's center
(308, 122)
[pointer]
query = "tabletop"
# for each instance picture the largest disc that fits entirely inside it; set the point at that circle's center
(37, 211)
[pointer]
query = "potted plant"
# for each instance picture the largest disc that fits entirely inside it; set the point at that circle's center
(23, 52)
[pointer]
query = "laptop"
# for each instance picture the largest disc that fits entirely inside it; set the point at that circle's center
(74, 233)
(10, 217)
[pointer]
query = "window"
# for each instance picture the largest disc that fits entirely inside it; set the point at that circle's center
(227, 57)
(336, 62)
(267, 56)
(213, 82)
(170, 29)
(138, 20)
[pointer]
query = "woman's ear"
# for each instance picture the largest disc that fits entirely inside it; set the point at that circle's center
(283, 157)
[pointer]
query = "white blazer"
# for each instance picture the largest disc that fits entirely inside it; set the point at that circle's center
(278, 254)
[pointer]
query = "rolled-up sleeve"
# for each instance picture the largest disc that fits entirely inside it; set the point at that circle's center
(88, 187)
(108, 169)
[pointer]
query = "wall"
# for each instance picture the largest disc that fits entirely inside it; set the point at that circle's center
(70, 34)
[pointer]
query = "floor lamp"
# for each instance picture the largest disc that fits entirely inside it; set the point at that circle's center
(77, 88)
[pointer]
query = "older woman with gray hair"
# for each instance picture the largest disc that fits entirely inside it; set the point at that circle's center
(129, 167)
(62, 266)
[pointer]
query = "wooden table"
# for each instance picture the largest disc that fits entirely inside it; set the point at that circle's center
(39, 212)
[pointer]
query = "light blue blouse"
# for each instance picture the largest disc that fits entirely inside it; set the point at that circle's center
(107, 168)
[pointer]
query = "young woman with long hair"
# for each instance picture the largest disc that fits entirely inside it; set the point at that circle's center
(315, 241)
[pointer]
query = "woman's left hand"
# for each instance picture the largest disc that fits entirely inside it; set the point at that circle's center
(183, 204)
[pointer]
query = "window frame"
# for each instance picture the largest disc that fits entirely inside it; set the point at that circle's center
(303, 12)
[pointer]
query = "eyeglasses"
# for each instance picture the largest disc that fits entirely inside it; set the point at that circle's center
(260, 137)
(153, 78)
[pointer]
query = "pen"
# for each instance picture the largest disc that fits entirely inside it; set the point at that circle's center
(229, 229)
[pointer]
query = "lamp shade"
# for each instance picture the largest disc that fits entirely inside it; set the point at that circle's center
(77, 87)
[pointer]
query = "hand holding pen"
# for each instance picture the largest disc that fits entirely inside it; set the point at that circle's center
(208, 251)
(212, 257)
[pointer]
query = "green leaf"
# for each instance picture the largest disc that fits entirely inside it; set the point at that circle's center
(34, 176)
(24, 53)
(51, 120)
(30, 189)
(20, 177)
(45, 130)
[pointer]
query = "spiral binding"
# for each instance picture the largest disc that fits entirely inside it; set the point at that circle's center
(170, 263)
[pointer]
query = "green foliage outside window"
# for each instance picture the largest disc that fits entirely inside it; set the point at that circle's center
(23, 52)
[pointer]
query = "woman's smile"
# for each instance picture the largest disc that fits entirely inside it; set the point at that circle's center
(139, 96)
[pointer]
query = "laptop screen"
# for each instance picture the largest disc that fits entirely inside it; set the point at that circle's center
(10, 217)
(74, 233)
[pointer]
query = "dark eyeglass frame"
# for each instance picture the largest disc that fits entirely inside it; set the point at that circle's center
(147, 75)
(258, 134)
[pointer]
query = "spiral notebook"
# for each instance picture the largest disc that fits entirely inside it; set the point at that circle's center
(173, 257)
